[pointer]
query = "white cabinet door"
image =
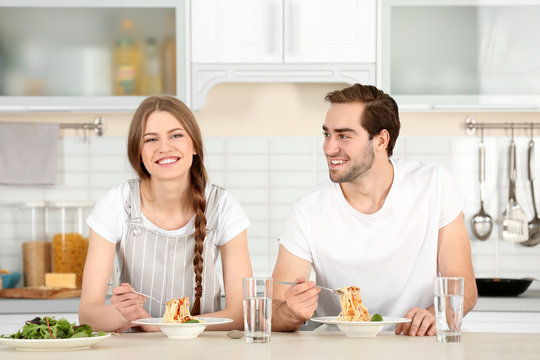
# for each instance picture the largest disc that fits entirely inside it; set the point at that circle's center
(237, 31)
(330, 31)
(498, 321)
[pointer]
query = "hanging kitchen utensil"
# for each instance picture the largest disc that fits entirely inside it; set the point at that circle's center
(514, 224)
(482, 223)
(534, 224)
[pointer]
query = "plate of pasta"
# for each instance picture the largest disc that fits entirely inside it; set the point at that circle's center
(355, 319)
(177, 323)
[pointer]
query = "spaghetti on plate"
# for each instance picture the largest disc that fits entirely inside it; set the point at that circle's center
(177, 311)
(352, 308)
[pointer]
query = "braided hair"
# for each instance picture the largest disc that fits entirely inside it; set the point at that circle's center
(198, 175)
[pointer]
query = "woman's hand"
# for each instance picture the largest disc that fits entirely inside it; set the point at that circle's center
(128, 304)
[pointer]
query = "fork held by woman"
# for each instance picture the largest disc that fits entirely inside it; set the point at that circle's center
(138, 293)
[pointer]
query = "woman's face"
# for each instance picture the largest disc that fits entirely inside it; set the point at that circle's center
(167, 151)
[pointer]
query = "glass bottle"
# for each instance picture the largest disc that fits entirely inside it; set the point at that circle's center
(126, 62)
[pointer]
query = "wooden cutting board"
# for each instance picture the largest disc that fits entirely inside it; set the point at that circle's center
(40, 293)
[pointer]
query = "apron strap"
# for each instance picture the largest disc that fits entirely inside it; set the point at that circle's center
(133, 205)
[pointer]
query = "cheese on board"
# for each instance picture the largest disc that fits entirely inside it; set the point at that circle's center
(61, 280)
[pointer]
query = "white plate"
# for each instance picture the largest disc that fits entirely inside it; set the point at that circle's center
(183, 331)
(360, 328)
(53, 344)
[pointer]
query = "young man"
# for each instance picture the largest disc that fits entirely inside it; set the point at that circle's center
(384, 225)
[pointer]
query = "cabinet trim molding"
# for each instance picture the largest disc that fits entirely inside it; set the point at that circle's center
(205, 76)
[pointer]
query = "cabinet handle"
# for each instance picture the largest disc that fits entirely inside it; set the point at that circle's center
(273, 28)
(291, 31)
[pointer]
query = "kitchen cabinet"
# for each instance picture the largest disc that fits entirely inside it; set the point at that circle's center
(498, 321)
(281, 41)
(460, 54)
(291, 31)
(86, 55)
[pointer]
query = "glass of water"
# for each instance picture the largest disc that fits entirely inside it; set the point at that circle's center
(257, 309)
(448, 301)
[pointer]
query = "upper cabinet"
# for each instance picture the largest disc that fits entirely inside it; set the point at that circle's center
(237, 31)
(281, 41)
(276, 31)
(461, 54)
(83, 55)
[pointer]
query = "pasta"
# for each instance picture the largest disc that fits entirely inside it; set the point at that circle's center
(177, 311)
(69, 254)
(352, 308)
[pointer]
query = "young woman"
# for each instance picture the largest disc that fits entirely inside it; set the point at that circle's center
(166, 228)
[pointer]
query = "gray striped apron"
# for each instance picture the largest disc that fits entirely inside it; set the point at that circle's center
(162, 266)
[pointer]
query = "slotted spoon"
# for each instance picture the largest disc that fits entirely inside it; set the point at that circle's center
(534, 224)
(514, 222)
(482, 223)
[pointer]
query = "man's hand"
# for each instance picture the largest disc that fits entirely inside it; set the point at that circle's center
(302, 299)
(422, 323)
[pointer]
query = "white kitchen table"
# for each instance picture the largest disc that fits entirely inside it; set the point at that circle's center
(326, 345)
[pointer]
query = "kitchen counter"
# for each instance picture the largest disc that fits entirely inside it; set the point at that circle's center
(529, 301)
(526, 302)
(299, 345)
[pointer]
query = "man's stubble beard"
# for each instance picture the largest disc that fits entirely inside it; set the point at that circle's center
(356, 170)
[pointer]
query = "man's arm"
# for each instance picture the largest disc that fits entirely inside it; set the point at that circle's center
(453, 259)
(292, 305)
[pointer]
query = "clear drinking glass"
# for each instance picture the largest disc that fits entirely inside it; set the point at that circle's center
(258, 309)
(448, 301)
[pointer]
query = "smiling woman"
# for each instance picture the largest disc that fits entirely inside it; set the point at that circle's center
(166, 227)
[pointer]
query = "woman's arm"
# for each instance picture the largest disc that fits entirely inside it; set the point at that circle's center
(97, 272)
(236, 265)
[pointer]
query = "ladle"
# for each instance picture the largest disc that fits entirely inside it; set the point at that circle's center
(534, 224)
(482, 223)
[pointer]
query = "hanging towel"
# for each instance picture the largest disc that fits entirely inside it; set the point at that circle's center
(28, 153)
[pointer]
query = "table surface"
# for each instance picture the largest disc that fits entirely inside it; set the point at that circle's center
(298, 345)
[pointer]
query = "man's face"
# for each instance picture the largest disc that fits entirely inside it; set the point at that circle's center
(348, 150)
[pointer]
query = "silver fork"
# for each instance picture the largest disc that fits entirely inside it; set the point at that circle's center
(139, 293)
(335, 291)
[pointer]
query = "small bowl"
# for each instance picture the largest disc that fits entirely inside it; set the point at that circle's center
(360, 328)
(189, 331)
(182, 331)
(370, 329)
(11, 280)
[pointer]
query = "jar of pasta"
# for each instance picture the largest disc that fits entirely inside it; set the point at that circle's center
(36, 244)
(69, 237)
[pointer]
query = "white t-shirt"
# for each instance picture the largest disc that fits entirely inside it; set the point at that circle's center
(391, 255)
(109, 218)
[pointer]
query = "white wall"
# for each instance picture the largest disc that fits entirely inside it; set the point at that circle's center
(264, 144)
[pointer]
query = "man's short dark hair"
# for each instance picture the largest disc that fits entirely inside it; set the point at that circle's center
(381, 111)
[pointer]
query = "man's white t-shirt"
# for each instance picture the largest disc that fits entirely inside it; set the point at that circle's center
(391, 255)
(109, 218)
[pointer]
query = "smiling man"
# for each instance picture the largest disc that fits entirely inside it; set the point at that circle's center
(387, 226)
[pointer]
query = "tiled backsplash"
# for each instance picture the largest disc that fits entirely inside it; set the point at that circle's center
(266, 175)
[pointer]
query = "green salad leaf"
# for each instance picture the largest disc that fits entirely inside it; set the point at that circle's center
(48, 327)
(376, 317)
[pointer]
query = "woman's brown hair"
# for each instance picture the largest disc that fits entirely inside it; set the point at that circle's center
(198, 174)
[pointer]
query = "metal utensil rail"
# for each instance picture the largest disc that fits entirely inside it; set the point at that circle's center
(471, 125)
(97, 126)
